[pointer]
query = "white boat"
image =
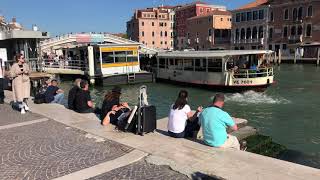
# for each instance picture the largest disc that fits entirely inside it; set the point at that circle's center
(235, 70)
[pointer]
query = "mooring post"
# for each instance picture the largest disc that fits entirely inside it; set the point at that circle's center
(280, 54)
(295, 56)
(318, 58)
(91, 64)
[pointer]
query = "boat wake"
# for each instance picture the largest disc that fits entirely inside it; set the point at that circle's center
(252, 97)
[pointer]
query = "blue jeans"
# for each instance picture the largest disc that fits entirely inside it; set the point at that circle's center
(58, 98)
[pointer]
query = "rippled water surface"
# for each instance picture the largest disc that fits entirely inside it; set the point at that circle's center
(289, 111)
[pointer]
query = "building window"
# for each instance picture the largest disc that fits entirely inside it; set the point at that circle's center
(248, 35)
(249, 16)
(152, 34)
(261, 14)
(165, 24)
(255, 15)
(254, 33)
(270, 47)
(270, 33)
(142, 23)
(165, 34)
(285, 31)
(161, 34)
(238, 17)
(299, 30)
(210, 32)
(161, 42)
(237, 34)
(243, 16)
(142, 42)
(300, 12)
(152, 23)
(201, 10)
(142, 33)
(165, 42)
(209, 19)
(310, 9)
(308, 31)
(243, 34)
(161, 24)
(152, 42)
(293, 31)
(260, 32)
(271, 16)
(221, 19)
(286, 14)
(295, 14)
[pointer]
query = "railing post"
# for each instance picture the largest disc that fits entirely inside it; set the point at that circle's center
(280, 54)
(295, 56)
(91, 64)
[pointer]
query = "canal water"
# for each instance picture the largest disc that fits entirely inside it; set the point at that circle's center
(289, 111)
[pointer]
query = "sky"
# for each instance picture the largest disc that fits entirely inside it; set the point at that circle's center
(64, 16)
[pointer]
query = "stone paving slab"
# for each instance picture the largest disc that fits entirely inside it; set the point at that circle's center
(142, 170)
(9, 116)
(50, 149)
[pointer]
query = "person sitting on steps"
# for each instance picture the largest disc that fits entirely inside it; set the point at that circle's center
(82, 100)
(72, 93)
(182, 121)
(53, 93)
(214, 122)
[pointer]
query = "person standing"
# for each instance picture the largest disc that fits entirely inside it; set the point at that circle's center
(214, 122)
(2, 70)
(21, 82)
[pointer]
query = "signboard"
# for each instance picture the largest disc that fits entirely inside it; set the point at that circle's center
(86, 38)
(3, 54)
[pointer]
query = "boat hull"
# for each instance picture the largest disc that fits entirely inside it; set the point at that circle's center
(218, 87)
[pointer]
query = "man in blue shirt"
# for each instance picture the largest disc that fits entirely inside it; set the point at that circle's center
(214, 122)
(53, 93)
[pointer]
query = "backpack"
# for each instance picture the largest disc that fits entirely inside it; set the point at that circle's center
(39, 98)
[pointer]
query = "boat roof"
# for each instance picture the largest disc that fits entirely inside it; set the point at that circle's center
(219, 53)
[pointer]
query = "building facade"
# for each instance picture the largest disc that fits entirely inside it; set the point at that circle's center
(153, 27)
(250, 26)
(183, 13)
(293, 24)
(211, 31)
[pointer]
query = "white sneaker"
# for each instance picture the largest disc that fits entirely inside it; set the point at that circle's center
(23, 111)
(26, 107)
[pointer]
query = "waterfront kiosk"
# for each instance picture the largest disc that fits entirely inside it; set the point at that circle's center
(97, 57)
(235, 70)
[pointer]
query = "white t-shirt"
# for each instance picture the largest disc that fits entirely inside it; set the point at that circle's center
(1, 67)
(178, 118)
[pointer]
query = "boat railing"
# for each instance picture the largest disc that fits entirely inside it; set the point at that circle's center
(249, 73)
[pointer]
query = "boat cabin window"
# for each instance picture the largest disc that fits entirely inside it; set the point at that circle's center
(179, 64)
(188, 64)
(171, 62)
(200, 64)
(214, 65)
(162, 63)
(118, 57)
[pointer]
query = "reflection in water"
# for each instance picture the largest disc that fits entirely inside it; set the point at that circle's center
(252, 97)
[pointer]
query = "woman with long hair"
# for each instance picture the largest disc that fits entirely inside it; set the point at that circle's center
(180, 113)
(111, 107)
(21, 82)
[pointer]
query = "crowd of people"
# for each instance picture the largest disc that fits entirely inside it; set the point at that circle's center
(182, 123)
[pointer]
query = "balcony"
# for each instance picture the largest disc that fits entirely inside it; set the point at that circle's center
(295, 39)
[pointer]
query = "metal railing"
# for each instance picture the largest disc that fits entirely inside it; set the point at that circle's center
(249, 73)
(64, 64)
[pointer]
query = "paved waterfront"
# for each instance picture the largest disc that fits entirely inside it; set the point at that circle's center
(141, 170)
(46, 149)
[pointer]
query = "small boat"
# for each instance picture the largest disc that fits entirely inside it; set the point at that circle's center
(226, 70)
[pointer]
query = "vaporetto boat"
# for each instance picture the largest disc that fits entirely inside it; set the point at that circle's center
(235, 70)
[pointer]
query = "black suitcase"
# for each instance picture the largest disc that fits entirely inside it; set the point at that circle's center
(147, 120)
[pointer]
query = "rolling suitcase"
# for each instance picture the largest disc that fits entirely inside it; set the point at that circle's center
(146, 116)
(148, 120)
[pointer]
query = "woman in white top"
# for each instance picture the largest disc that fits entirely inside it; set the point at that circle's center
(179, 113)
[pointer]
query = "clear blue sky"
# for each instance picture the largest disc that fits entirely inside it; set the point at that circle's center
(63, 16)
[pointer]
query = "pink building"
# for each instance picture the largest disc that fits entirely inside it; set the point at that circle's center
(210, 31)
(153, 27)
(188, 11)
